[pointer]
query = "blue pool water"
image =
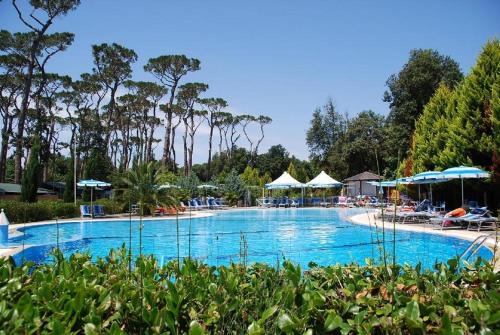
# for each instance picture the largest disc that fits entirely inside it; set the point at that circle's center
(323, 236)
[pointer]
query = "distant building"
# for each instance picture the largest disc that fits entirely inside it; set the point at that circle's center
(358, 184)
(13, 192)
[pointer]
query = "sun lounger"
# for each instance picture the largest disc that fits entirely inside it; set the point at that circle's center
(98, 210)
(85, 211)
(265, 202)
(284, 202)
(481, 223)
(444, 222)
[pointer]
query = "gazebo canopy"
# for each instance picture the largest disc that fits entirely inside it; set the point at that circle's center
(323, 180)
(364, 176)
(284, 181)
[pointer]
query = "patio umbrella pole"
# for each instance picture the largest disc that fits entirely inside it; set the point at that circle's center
(430, 185)
(91, 207)
(462, 181)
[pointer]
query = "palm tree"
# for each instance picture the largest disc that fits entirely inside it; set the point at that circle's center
(144, 184)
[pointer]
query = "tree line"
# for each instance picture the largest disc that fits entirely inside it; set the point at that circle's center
(112, 119)
(438, 119)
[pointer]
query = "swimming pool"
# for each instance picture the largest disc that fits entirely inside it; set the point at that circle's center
(322, 236)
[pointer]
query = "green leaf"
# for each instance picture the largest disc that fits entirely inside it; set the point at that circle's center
(195, 328)
(90, 329)
(285, 323)
(495, 318)
(413, 314)
(333, 321)
(267, 314)
(255, 329)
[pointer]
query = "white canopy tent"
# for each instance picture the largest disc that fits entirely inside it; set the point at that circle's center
(284, 181)
(323, 180)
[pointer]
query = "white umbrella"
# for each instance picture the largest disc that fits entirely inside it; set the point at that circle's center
(167, 185)
(92, 184)
(464, 172)
(207, 186)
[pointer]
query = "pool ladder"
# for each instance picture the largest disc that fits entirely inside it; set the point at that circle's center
(474, 247)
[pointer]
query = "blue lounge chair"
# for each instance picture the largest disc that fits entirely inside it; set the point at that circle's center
(212, 204)
(284, 202)
(200, 203)
(193, 205)
(98, 210)
(220, 203)
(85, 211)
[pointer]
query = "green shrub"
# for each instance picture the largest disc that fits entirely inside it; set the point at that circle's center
(79, 296)
(112, 206)
(19, 212)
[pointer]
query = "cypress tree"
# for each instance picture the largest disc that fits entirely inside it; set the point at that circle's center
(68, 195)
(473, 136)
(431, 131)
(29, 180)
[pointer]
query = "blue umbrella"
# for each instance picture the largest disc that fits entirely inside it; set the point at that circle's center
(428, 177)
(92, 183)
(463, 172)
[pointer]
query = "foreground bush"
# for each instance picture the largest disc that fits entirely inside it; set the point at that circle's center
(78, 295)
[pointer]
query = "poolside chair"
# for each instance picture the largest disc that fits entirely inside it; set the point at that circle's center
(98, 210)
(200, 203)
(342, 202)
(440, 206)
(220, 203)
(284, 202)
(293, 203)
(134, 209)
(315, 202)
(85, 211)
(484, 222)
(325, 203)
(212, 204)
(444, 222)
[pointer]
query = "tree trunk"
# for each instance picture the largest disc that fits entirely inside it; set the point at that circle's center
(184, 143)
(168, 125)
(7, 129)
(209, 164)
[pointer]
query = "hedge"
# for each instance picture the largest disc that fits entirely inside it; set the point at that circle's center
(19, 212)
(77, 296)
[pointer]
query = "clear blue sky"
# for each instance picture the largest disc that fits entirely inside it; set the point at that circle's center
(280, 58)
